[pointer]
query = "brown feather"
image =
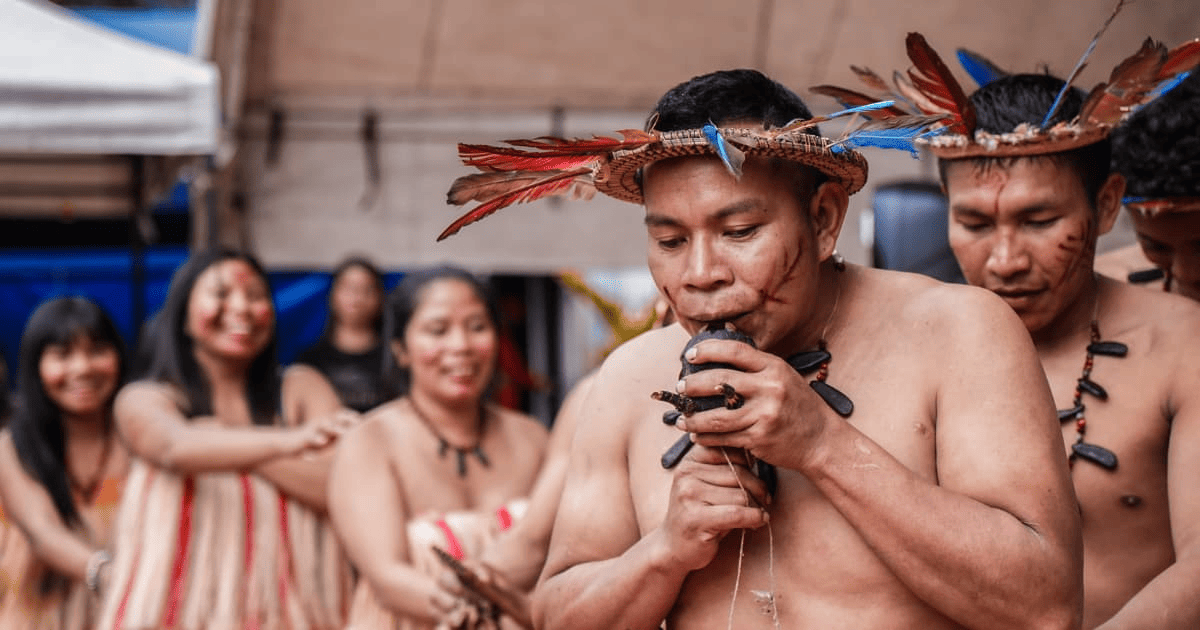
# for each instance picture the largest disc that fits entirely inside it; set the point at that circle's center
(931, 77)
(1182, 58)
(1127, 86)
(870, 79)
(630, 139)
(499, 190)
(918, 98)
(850, 98)
(1079, 65)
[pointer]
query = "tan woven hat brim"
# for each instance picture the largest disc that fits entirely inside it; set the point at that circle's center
(1057, 139)
(618, 177)
(1157, 206)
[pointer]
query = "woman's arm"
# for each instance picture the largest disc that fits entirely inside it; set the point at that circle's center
(366, 506)
(153, 427)
(31, 509)
(307, 398)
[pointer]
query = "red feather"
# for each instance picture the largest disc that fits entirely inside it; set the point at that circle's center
(850, 98)
(1127, 86)
(931, 77)
(504, 189)
(630, 139)
(490, 158)
(1182, 58)
(550, 153)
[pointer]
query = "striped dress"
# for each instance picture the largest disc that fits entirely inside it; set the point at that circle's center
(221, 551)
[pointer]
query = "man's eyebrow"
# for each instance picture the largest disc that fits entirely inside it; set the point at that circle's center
(746, 205)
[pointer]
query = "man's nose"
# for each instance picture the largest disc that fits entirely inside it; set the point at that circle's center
(1008, 256)
(706, 269)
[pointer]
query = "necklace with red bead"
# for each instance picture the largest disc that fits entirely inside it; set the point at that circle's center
(1083, 449)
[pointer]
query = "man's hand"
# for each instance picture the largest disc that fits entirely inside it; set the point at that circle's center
(712, 494)
(781, 418)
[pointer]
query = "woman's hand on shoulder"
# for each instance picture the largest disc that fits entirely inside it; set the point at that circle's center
(320, 432)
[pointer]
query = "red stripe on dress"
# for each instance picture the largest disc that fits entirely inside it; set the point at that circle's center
(178, 577)
(251, 623)
(119, 618)
(285, 558)
(505, 518)
(452, 545)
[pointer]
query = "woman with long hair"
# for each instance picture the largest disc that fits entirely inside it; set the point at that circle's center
(61, 467)
(218, 525)
(438, 466)
(350, 353)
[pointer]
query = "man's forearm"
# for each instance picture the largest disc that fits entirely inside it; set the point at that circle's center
(1171, 601)
(634, 590)
(977, 564)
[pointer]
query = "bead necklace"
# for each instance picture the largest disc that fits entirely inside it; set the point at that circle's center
(1085, 385)
(460, 453)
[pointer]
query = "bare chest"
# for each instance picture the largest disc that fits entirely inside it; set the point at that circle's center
(434, 479)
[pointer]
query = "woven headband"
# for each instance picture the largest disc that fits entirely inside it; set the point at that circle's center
(1152, 207)
(618, 177)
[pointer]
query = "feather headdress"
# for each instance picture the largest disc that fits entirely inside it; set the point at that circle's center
(526, 170)
(929, 87)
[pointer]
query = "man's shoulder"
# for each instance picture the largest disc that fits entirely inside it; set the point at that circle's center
(919, 302)
(1172, 320)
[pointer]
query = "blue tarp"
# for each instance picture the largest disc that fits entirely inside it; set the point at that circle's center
(170, 28)
(27, 278)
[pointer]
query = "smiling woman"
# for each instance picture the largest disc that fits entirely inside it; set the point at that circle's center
(61, 468)
(219, 526)
(459, 465)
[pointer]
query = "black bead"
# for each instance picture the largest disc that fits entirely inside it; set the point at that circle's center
(462, 463)
(836, 400)
(768, 474)
(1093, 388)
(1070, 414)
(674, 454)
(1096, 454)
(1108, 348)
(805, 362)
(1146, 275)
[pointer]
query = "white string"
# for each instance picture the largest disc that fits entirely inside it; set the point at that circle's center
(737, 579)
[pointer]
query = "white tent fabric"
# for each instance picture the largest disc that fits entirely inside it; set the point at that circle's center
(67, 86)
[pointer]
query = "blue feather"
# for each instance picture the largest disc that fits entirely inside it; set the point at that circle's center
(1166, 86)
(862, 108)
(980, 69)
(902, 138)
(730, 155)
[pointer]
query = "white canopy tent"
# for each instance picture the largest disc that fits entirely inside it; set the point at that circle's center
(67, 86)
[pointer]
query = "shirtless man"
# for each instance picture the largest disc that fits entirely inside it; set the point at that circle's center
(1025, 226)
(1158, 152)
(942, 501)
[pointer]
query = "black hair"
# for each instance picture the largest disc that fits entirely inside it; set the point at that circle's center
(727, 97)
(1158, 148)
(171, 357)
(1003, 104)
(353, 262)
(406, 298)
(38, 434)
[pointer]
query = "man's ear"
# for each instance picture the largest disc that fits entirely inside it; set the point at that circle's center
(827, 212)
(1108, 201)
(398, 351)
